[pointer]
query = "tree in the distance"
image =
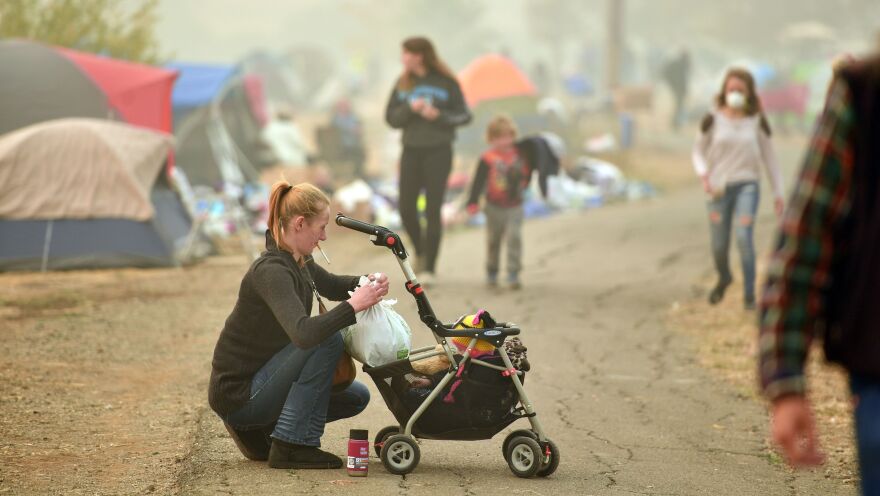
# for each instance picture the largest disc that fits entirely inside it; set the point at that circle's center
(98, 26)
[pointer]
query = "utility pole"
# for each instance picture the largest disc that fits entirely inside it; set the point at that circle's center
(614, 47)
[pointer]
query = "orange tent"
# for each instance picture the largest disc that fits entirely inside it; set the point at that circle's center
(491, 77)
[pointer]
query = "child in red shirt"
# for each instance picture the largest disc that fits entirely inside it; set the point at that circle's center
(504, 174)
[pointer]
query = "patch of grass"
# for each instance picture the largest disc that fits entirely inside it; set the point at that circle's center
(726, 339)
(43, 304)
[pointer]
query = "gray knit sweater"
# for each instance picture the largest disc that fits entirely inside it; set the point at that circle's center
(273, 310)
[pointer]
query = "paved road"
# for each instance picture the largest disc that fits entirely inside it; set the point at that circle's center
(621, 394)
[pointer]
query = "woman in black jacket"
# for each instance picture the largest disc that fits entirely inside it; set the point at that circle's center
(427, 104)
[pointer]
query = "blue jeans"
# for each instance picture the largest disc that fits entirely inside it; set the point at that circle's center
(292, 391)
(736, 208)
(867, 415)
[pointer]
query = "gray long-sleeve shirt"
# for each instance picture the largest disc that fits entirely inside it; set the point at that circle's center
(273, 310)
(735, 150)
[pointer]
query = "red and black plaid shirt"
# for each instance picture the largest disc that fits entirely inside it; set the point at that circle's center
(799, 271)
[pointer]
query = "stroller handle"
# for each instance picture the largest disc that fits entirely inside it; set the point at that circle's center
(382, 236)
(359, 226)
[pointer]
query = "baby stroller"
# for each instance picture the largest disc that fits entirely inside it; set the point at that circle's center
(474, 399)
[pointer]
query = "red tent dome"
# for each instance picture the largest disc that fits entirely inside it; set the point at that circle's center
(140, 93)
(491, 77)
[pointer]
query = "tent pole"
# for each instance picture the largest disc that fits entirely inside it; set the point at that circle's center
(44, 266)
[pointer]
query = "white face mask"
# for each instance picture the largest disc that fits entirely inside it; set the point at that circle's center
(735, 100)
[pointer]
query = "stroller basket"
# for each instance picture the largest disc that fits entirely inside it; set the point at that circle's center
(482, 404)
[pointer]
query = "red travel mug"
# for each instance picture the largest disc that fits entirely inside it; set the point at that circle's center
(358, 452)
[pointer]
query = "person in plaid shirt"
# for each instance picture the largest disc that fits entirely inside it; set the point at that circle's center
(824, 275)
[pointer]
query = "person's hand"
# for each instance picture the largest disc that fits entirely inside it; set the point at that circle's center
(430, 112)
(367, 295)
(779, 207)
(794, 430)
(417, 105)
(380, 280)
(706, 186)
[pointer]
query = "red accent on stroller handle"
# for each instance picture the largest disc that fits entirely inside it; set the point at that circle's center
(382, 235)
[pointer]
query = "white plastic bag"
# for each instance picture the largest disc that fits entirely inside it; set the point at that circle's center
(380, 336)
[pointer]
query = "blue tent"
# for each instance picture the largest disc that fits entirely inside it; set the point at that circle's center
(214, 125)
(198, 85)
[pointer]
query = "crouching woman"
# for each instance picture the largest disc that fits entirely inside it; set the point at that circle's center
(274, 363)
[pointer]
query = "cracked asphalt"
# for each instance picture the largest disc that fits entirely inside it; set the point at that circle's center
(620, 394)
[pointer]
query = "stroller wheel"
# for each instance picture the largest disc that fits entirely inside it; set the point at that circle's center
(382, 436)
(524, 457)
(400, 454)
(513, 435)
(552, 464)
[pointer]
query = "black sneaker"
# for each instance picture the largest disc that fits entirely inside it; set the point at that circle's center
(286, 455)
(717, 293)
(749, 303)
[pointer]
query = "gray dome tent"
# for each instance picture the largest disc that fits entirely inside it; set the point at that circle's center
(87, 193)
(41, 84)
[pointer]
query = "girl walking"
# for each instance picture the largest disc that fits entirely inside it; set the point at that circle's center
(731, 149)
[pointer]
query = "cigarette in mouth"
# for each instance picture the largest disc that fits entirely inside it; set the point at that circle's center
(323, 254)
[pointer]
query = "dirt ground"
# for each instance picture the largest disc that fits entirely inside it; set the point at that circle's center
(104, 373)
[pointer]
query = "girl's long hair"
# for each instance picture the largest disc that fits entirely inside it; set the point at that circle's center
(419, 45)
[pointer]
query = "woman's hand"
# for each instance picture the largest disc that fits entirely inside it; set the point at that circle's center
(779, 207)
(706, 186)
(380, 279)
(368, 295)
(417, 105)
(430, 112)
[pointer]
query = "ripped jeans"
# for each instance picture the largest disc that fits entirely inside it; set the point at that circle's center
(736, 208)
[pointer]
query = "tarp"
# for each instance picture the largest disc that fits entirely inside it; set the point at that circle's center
(492, 77)
(198, 84)
(79, 169)
(140, 93)
(39, 84)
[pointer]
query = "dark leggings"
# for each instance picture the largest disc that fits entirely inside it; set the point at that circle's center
(424, 168)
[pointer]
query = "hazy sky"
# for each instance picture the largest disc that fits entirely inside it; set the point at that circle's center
(225, 30)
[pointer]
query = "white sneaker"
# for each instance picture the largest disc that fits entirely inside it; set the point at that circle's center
(426, 279)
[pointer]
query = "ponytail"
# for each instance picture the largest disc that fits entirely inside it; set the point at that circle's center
(287, 202)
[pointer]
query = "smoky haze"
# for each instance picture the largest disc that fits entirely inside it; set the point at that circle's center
(555, 31)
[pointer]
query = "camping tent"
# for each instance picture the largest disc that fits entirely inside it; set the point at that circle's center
(492, 85)
(41, 84)
(85, 193)
(140, 93)
(279, 81)
(492, 77)
(214, 125)
(197, 86)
